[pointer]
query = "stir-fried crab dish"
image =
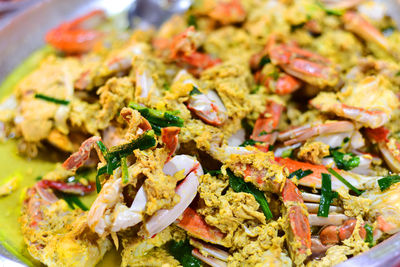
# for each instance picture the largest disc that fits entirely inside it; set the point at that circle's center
(241, 133)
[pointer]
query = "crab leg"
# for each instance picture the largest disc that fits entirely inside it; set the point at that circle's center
(78, 158)
(313, 208)
(304, 65)
(299, 226)
(266, 124)
(208, 259)
(314, 179)
(304, 133)
(195, 225)
(354, 22)
(72, 188)
(211, 250)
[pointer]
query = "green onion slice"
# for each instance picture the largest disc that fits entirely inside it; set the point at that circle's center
(369, 238)
(300, 174)
(125, 174)
(327, 196)
(51, 99)
(385, 182)
(239, 185)
(343, 180)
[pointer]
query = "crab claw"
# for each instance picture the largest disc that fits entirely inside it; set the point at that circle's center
(208, 107)
(354, 22)
(77, 36)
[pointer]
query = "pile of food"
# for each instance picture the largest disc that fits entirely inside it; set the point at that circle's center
(239, 133)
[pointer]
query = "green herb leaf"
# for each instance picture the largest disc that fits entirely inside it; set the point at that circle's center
(192, 21)
(343, 180)
(166, 87)
(247, 126)
(182, 251)
(212, 172)
(385, 182)
(345, 161)
(73, 201)
(327, 196)
(195, 91)
(300, 173)
(369, 238)
(296, 27)
(262, 133)
(250, 142)
(158, 119)
(98, 183)
(334, 12)
(239, 185)
(125, 174)
(102, 147)
(255, 89)
(51, 99)
(143, 142)
(287, 153)
(274, 75)
(264, 60)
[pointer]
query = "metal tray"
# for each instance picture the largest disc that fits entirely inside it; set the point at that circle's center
(23, 34)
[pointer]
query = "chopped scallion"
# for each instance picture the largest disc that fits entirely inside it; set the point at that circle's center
(369, 238)
(73, 202)
(287, 153)
(158, 119)
(102, 147)
(125, 174)
(239, 185)
(51, 99)
(250, 142)
(327, 196)
(385, 182)
(300, 173)
(343, 180)
(264, 60)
